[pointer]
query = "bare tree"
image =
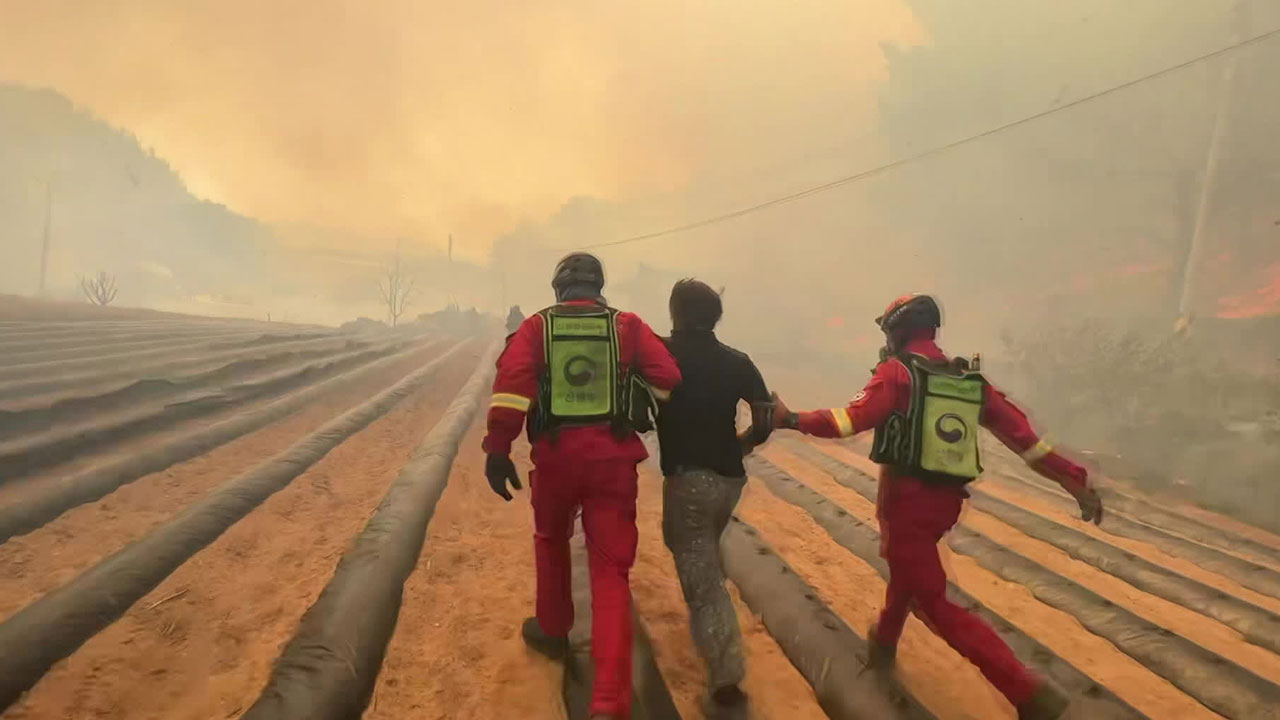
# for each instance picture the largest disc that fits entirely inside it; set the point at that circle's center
(395, 289)
(100, 289)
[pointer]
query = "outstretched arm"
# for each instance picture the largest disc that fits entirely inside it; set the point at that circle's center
(1011, 426)
(868, 409)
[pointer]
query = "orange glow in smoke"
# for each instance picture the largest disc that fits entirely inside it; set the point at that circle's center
(1262, 301)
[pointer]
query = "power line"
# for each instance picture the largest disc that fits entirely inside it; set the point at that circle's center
(936, 150)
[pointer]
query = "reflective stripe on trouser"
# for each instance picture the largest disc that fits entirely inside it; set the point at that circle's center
(606, 492)
(696, 506)
(914, 517)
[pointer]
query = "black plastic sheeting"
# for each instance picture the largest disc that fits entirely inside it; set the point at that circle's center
(328, 670)
(1158, 528)
(33, 510)
(49, 629)
(108, 337)
(1150, 511)
(1218, 683)
(20, 331)
(650, 698)
(96, 361)
(97, 349)
(1221, 685)
(830, 655)
(28, 454)
(184, 361)
(864, 542)
(1258, 625)
(36, 416)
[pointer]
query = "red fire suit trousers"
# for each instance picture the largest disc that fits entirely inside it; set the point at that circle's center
(914, 516)
(605, 489)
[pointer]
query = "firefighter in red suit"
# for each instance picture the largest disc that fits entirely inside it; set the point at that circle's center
(925, 409)
(566, 373)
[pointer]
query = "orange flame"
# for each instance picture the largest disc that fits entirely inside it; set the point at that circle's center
(1262, 301)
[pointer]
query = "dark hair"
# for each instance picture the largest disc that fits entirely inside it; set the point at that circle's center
(694, 306)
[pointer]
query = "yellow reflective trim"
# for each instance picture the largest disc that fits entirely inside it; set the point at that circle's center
(1036, 452)
(663, 395)
(509, 400)
(844, 423)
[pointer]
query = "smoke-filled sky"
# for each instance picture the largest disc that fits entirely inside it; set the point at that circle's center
(528, 128)
(417, 119)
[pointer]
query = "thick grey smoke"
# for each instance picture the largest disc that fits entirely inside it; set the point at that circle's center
(324, 139)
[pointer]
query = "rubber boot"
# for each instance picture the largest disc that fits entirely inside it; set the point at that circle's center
(556, 648)
(1050, 702)
(725, 703)
(880, 658)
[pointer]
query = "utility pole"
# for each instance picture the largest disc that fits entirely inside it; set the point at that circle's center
(1195, 252)
(48, 222)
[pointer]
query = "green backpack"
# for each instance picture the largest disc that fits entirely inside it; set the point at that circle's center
(583, 383)
(938, 436)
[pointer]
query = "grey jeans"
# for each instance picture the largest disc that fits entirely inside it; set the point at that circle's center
(696, 506)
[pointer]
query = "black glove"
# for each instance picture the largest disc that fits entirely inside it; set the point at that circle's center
(500, 470)
(1090, 505)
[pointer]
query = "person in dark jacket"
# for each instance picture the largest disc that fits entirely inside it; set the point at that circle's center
(702, 461)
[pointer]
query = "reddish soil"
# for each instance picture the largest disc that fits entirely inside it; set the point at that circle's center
(33, 564)
(776, 688)
(1060, 632)
(855, 591)
(1230, 524)
(457, 651)
(206, 648)
(1146, 551)
(202, 644)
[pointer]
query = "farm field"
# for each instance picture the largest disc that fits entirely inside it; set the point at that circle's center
(221, 519)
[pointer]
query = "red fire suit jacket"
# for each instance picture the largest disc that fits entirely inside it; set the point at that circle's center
(515, 390)
(890, 390)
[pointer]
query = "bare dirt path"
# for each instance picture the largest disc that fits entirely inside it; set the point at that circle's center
(457, 652)
(206, 648)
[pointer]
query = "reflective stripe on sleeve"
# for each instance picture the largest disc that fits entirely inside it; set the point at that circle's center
(1036, 452)
(509, 400)
(844, 423)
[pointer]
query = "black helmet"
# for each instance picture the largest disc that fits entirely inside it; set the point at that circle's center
(578, 269)
(910, 312)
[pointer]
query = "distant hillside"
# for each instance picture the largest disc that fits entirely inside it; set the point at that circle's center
(115, 207)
